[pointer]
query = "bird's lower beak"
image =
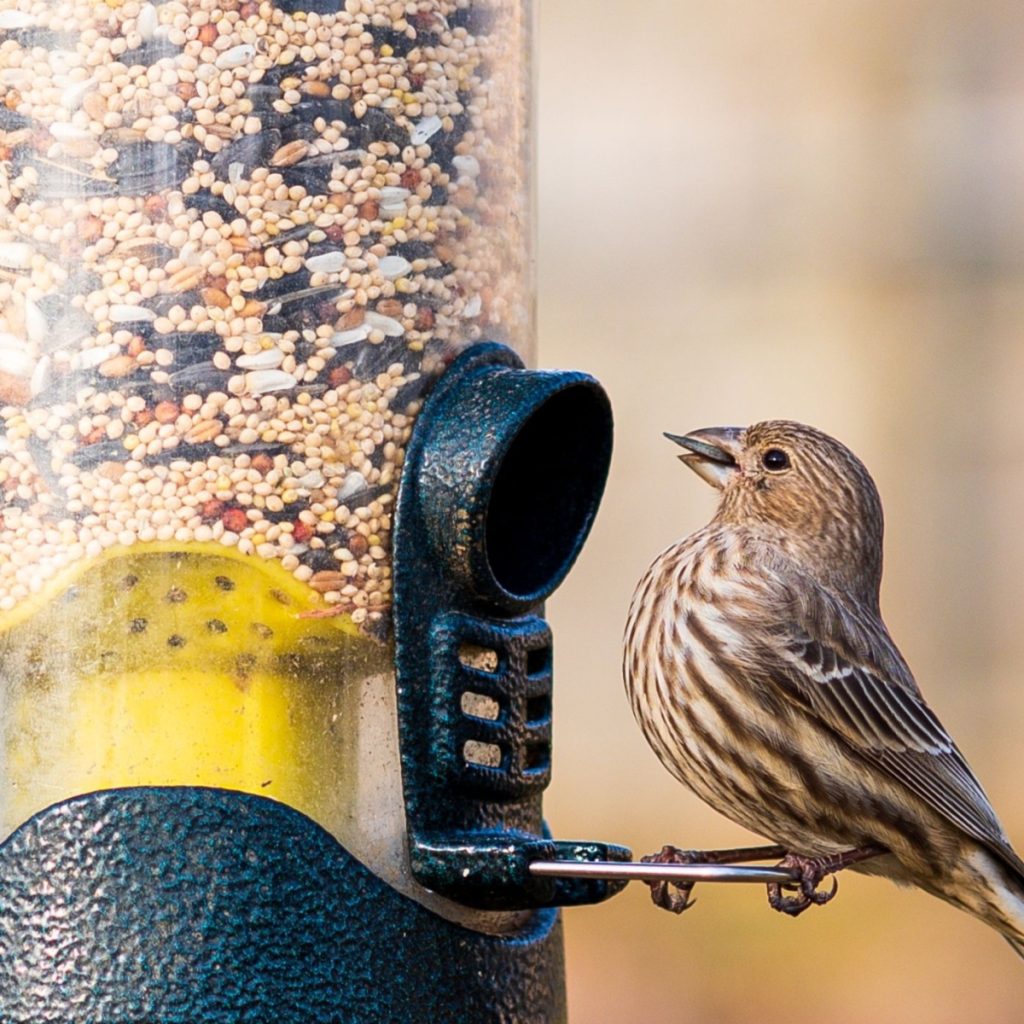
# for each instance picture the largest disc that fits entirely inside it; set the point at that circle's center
(713, 453)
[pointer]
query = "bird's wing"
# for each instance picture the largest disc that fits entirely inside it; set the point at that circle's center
(842, 667)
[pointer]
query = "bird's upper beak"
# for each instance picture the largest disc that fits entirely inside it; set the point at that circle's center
(713, 453)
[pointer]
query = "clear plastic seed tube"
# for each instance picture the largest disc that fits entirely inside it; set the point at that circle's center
(238, 240)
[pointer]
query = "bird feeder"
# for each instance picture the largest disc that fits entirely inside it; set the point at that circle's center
(279, 509)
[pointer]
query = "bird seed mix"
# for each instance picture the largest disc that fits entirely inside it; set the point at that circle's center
(237, 240)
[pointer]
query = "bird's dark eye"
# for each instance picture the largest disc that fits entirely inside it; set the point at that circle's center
(775, 460)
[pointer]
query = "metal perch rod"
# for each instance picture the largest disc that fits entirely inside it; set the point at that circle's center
(638, 872)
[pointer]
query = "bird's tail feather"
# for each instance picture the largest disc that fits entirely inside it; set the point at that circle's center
(1006, 881)
(990, 886)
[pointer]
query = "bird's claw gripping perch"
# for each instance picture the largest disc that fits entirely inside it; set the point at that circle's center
(673, 896)
(812, 874)
(662, 894)
(807, 874)
(813, 871)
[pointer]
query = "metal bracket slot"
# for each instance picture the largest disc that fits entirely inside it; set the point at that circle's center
(496, 732)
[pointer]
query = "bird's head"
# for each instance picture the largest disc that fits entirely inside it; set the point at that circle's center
(801, 488)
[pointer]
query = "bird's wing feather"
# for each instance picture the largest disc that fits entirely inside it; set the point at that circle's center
(843, 668)
(896, 729)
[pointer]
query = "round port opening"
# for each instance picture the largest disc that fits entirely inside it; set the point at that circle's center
(547, 490)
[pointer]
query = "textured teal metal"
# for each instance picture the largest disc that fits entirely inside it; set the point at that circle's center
(501, 483)
(181, 906)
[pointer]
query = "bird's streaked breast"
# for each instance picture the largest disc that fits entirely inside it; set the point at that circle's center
(686, 648)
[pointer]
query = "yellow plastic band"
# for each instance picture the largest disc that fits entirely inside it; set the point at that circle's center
(175, 665)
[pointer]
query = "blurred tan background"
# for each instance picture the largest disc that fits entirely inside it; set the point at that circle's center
(812, 211)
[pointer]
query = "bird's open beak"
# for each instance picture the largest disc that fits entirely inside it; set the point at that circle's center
(712, 453)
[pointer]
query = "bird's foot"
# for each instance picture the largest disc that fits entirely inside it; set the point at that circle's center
(813, 871)
(674, 896)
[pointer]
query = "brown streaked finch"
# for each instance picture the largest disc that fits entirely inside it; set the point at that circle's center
(761, 672)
